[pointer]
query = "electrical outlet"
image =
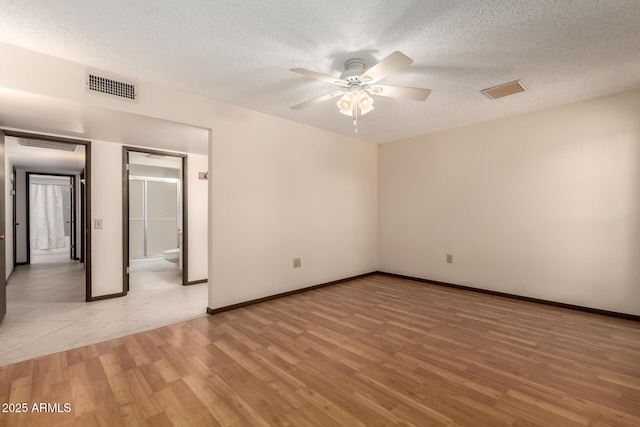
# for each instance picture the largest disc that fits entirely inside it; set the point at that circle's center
(297, 262)
(97, 224)
(449, 259)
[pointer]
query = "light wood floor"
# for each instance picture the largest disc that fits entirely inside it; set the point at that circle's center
(370, 352)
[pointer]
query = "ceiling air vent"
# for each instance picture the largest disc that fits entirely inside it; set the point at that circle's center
(504, 89)
(53, 145)
(111, 86)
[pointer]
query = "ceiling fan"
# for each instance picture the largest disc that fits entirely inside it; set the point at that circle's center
(356, 85)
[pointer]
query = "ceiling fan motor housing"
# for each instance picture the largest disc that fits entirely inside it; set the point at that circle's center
(353, 68)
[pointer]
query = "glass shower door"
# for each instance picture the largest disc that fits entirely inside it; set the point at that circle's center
(162, 217)
(154, 215)
(137, 219)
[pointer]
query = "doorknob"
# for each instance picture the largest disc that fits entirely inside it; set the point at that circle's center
(1, 236)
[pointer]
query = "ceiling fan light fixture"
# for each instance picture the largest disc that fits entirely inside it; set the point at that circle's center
(357, 85)
(365, 102)
(345, 104)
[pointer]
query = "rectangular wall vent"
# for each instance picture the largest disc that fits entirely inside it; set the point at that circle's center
(110, 86)
(53, 145)
(504, 89)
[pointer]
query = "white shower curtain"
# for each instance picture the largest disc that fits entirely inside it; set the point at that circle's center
(47, 217)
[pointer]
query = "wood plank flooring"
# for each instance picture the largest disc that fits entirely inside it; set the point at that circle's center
(375, 351)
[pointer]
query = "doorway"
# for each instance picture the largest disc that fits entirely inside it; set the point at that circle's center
(51, 161)
(51, 218)
(154, 218)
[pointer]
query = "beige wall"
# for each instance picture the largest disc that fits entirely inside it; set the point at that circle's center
(8, 215)
(545, 205)
(198, 217)
(277, 189)
(106, 204)
(281, 190)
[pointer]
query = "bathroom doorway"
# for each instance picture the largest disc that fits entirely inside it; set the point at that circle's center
(54, 260)
(154, 206)
(51, 218)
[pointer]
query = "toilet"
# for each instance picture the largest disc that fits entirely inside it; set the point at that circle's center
(172, 255)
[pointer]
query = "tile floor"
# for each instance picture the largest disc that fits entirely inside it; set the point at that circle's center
(46, 311)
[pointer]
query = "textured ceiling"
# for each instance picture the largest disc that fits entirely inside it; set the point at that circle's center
(240, 52)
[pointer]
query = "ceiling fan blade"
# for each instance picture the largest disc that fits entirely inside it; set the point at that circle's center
(318, 100)
(319, 76)
(415, 93)
(388, 65)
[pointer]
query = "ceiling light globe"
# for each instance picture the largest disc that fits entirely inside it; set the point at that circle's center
(345, 104)
(365, 103)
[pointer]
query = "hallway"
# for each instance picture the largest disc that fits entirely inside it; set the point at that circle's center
(47, 312)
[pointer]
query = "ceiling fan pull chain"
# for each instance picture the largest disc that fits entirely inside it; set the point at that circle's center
(355, 115)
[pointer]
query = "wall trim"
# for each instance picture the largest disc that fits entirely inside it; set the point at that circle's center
(107, 296)
(285, 294)
(196, 282)
(518, 297)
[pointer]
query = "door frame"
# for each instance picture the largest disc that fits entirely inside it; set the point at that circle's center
(73, 237)
(125, 212)
(87, 198)
(3, 245)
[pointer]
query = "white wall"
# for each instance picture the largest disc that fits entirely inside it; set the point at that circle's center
(50, 179)
(299, 192)
(106, 204)
(281, 190)
(545, 205)
(8, 215)
(542, 205)
(278, 189)
(198, 217)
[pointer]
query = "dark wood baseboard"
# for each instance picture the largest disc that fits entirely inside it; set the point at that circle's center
(284, 294)
(518, 297)
(196, 282)
(21, 263)
(108, 296)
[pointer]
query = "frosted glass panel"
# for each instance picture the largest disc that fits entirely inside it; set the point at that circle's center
(162, 200)
(161, 235)
(154, 217)
(136, 199)
(136, 238)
